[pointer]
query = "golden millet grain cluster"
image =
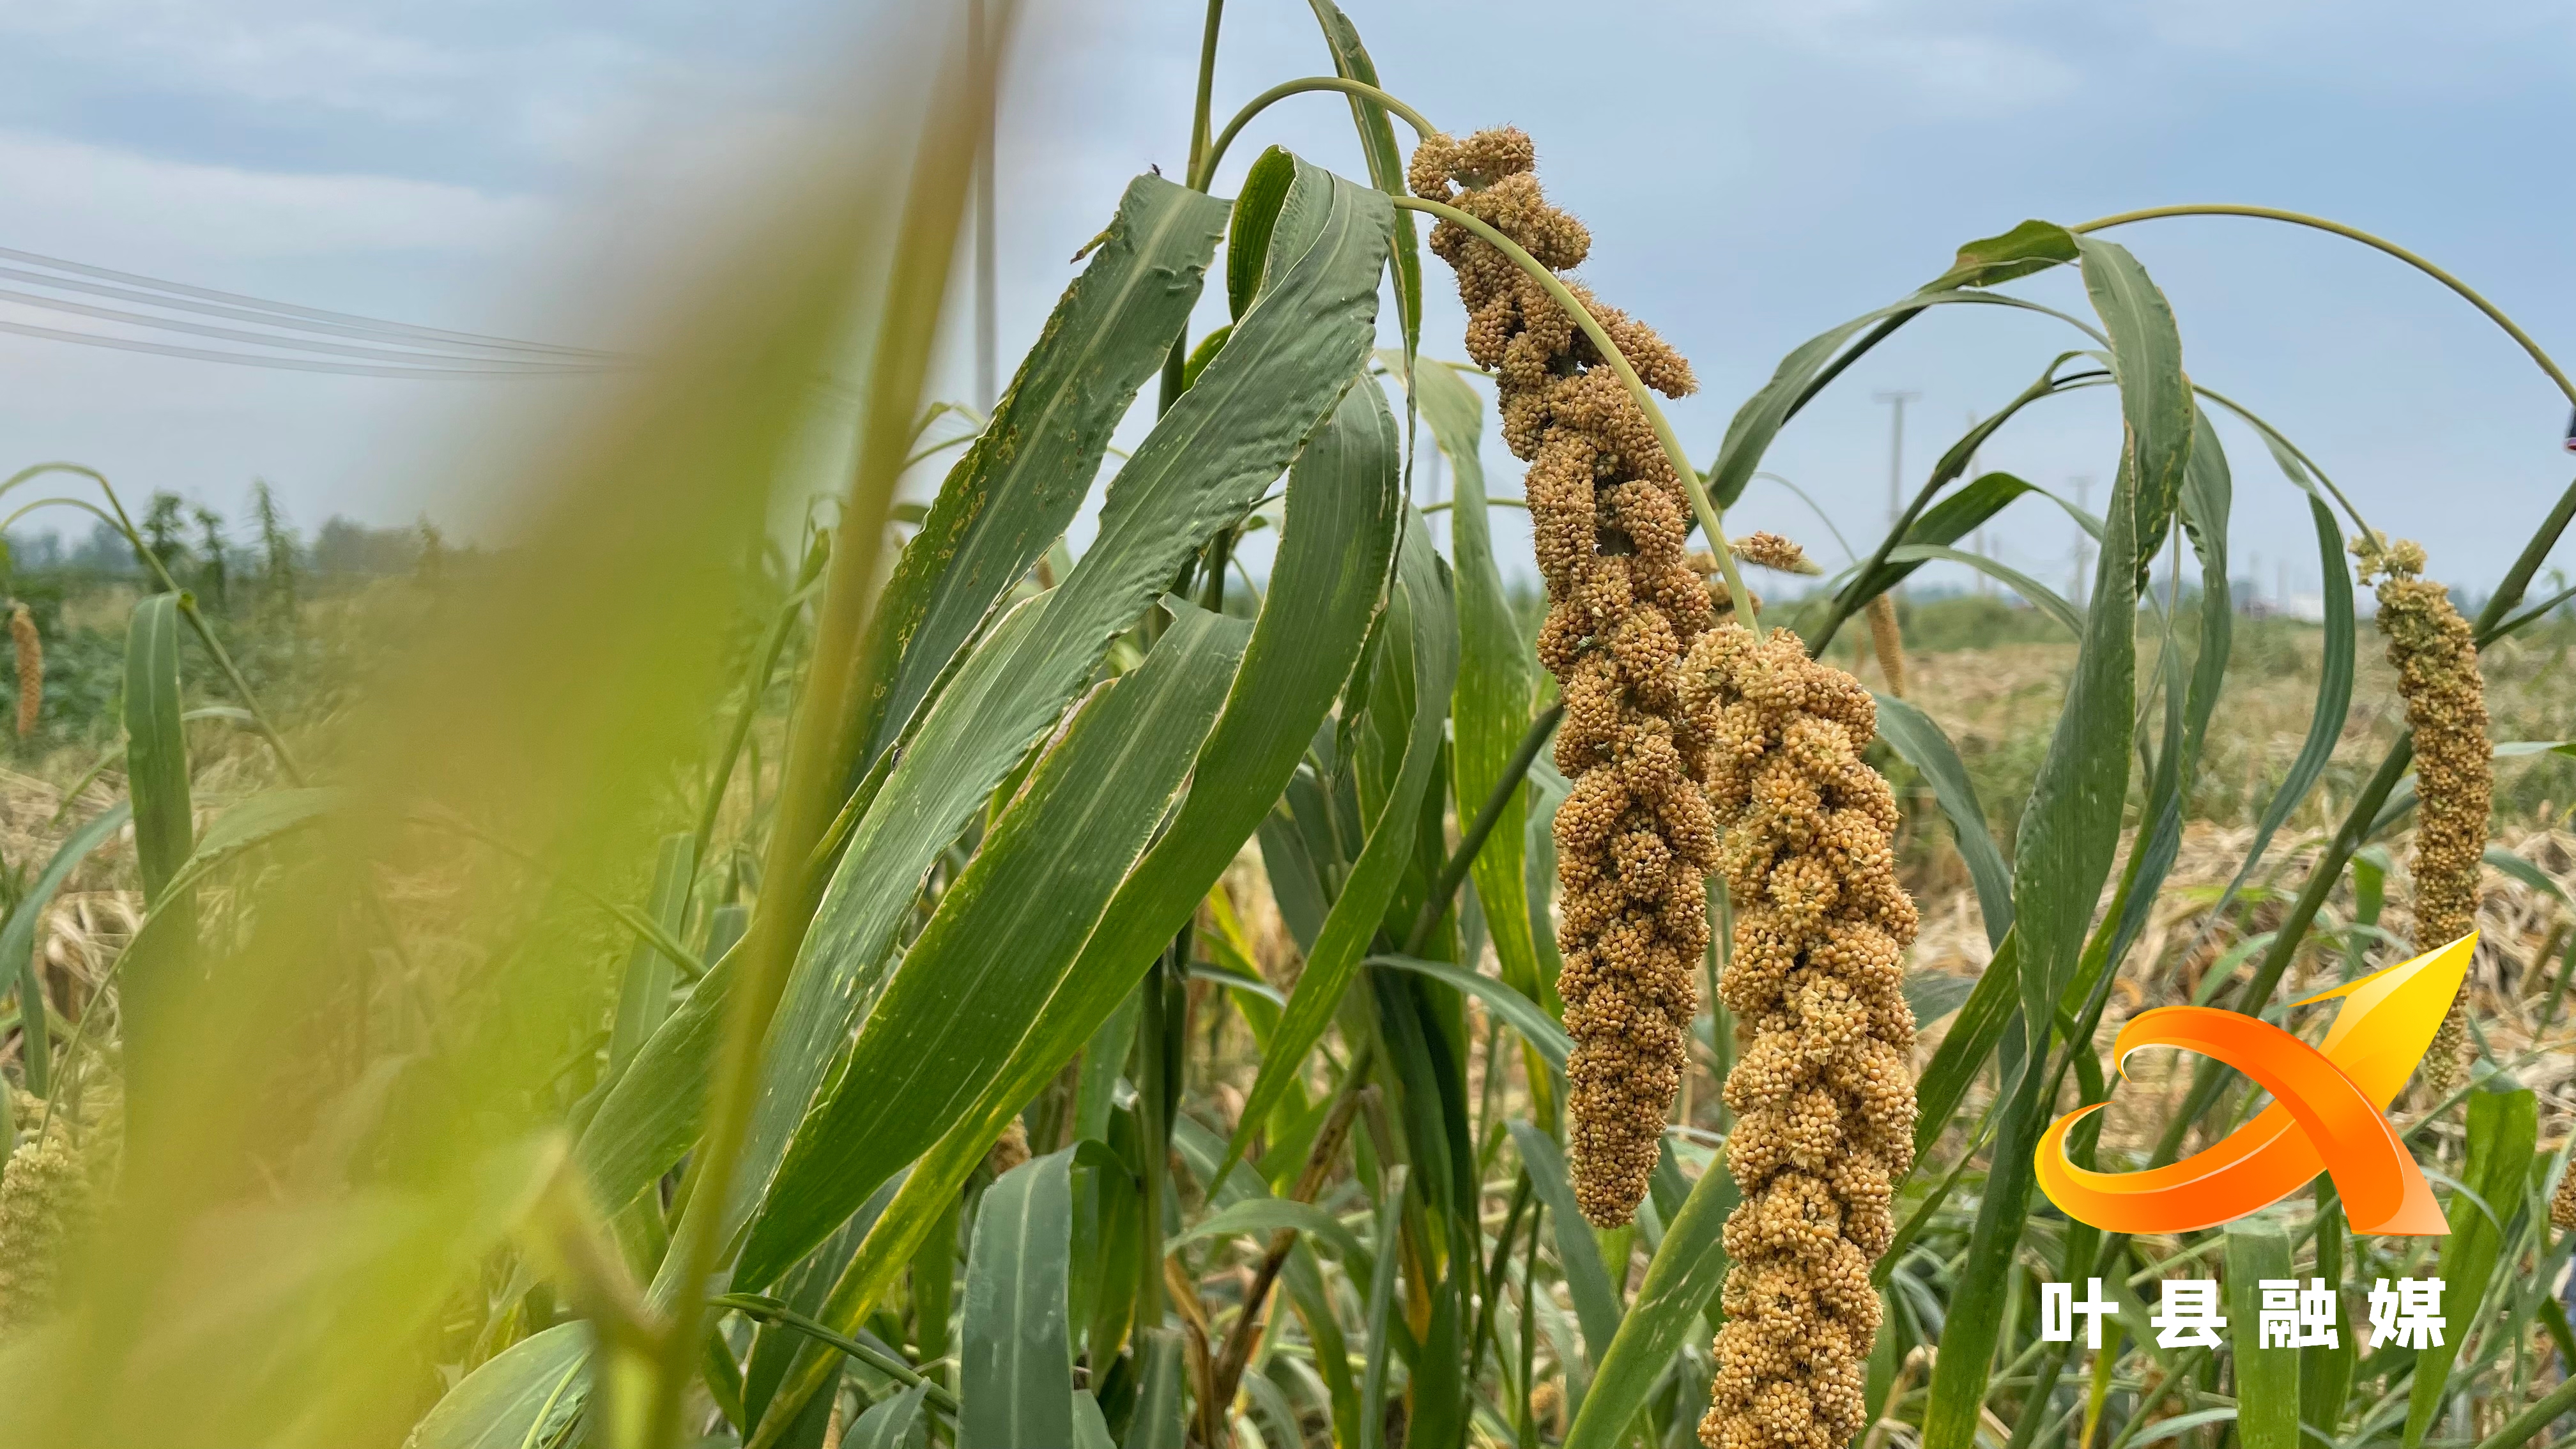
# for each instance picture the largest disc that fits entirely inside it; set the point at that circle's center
(44, 1193)
(1771, 551)
(30, 649)
(2436, 657)
(1824, 1090)
(2562, 1208)
(1635, 840)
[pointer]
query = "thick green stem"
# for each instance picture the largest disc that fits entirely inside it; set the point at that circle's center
(1200, 110)
(1711, 521)
(2467, 293)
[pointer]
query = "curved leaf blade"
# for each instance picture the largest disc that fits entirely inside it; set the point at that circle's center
(1262, 1216)
(1920, 743)
(522, 1396)
(1344, 506)
(1015, 1382)
(1523, 1015)
(18, 938)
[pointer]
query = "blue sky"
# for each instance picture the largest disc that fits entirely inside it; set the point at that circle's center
(1753, 172)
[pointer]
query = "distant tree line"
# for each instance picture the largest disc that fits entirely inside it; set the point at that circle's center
(210, 554)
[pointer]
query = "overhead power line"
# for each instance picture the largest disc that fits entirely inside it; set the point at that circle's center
(293, 364)
(414, 352)
(373, 326)
(263, 339)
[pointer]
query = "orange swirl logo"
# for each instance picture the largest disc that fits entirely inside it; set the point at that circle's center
(2327, 1114)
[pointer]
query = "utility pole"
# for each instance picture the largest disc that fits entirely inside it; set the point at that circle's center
(987, 343)
(1896, 454)
(2083, 541)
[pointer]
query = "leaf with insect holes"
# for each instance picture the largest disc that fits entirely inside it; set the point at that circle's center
(1344, 507)
(1289, 361)
(1011, 922)
(1020, 483)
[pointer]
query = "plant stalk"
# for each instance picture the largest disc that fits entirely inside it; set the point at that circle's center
(1246, 1332)
(1471, 842)
(823, 745)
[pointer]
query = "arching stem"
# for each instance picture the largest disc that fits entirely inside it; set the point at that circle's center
(2467, 293)
(1204, 165)
(1711, 521)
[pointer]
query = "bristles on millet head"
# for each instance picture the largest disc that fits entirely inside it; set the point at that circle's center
(44, 1193)
(2435, 653)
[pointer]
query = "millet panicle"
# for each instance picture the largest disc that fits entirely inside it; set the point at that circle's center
(2435, 653)
(1635, 840)
(44, 1194)
(1824, 1089)
(29, 647)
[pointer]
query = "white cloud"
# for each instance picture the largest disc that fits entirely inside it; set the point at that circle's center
(91, 201)
(268, 54)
